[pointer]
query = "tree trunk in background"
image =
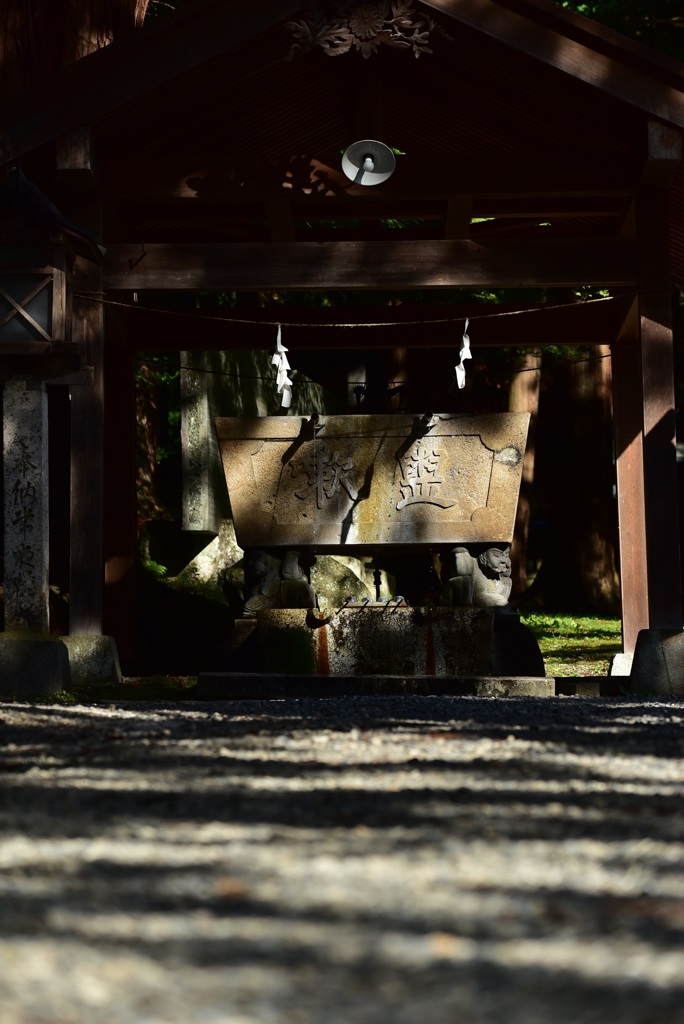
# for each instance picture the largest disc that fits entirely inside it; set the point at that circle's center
(575, 458)
(37, 37)
(524, 397)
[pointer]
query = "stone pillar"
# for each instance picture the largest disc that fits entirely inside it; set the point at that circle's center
(32, 663)
(202, 481)
(25, 466)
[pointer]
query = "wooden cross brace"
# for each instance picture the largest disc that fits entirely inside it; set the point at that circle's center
(19, 307)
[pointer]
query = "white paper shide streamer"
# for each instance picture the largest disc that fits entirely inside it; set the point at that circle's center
(283, 382)
(464, 353)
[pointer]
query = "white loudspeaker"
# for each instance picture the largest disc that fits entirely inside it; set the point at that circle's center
(368, 162)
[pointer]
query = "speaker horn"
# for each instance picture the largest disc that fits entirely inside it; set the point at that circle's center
(368, 162)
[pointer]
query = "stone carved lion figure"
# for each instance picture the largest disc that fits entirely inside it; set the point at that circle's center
(277, 580)
(482, 576)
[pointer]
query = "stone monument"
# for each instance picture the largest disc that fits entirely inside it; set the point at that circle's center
(32, 663)
(438, 488)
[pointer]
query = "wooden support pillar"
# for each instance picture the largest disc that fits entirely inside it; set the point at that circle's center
(120, 513)
(644, 410)
(87, 466)
(59, 449)
(629, 449)
(657, 370)
(74, 168)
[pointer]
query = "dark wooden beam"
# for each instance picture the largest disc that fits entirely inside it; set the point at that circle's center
(541, 205)
(121, 73)
(381, 327)
(547, 207)
(569, 173)
(580, 27)
(605, 67)
(371, 265)
(222, 217)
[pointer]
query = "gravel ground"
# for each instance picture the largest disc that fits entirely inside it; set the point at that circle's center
(352, 861)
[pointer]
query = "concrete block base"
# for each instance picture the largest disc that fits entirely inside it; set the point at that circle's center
(658, 665)
(621, 664)
(32, 667)
(94, 660)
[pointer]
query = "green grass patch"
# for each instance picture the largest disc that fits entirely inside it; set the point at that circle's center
(157, 687)
(575, 645)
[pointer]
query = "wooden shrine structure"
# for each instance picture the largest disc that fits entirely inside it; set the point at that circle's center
(202, 153)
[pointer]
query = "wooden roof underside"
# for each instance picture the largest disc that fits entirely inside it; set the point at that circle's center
(526, 125)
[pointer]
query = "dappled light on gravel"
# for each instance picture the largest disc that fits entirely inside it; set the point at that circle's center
(371, 860)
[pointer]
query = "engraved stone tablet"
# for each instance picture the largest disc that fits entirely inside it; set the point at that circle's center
(369, 480)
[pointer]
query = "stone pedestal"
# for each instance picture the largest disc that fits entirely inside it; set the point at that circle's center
(32, 666)
(93, 659)
(383, 639)
(658, 664)
(33, 663)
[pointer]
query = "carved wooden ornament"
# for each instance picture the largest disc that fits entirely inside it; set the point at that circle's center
(363, 27)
